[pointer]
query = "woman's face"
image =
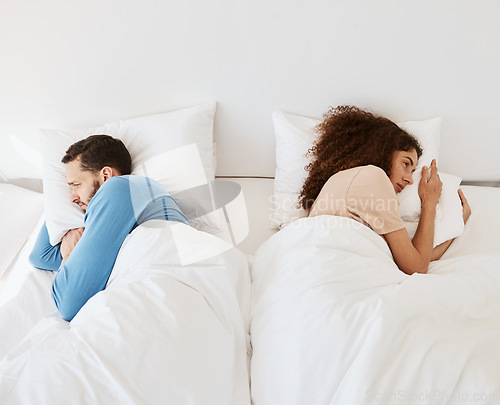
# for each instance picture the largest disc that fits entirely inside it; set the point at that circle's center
(403, 165)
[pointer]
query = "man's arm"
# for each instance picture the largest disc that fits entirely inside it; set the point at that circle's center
(109, 219)
(44, 256)
(69, 242)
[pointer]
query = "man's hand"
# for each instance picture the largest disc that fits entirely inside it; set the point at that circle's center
(465, 206)
(69, 241)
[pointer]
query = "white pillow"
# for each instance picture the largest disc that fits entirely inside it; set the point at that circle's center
(174, 148)
(295, 136)
(450, 224)
(482, 232)
(20, 209)
(428, 134)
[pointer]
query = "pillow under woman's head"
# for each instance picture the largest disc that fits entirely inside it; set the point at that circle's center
(349, 137)
(296, 134)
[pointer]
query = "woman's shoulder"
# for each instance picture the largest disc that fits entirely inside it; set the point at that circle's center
(374, 176)
(360, 178)
(371, 170)
(360, 172)
(372, 173)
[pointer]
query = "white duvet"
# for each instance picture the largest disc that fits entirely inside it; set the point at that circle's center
(170, 328)
(334, 321)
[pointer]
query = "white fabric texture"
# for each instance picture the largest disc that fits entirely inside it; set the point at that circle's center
(160, 331)
(175, 148)
(481, 233)
(20, 210)
(295, 136)
(449, 223)
(24, 296)
(334, 321)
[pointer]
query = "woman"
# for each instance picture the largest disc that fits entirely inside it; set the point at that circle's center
(360, 161)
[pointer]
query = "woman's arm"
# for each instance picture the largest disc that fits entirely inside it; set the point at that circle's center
(439, 250)
(414, 256)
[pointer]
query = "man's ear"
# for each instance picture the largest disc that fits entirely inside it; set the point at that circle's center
(107, 172)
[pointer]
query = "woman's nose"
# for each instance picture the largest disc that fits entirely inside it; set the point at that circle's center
(409, 180)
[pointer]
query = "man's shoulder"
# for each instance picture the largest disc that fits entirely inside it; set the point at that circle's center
(131, 179)
(144, 184)
(128, 187)
(114, 186)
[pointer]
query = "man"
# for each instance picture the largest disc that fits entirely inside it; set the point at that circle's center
(98, 171)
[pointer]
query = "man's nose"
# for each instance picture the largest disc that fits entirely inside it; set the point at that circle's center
(74, 197)
(409, 180)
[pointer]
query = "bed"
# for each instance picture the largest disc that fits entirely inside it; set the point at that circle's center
(334, 321)
(173, 320)
(320, 332)
(281, 319)
(139, 340)
(291, 309)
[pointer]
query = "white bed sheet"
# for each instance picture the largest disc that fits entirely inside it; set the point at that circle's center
(257, 194)
(24, 296)
(335, 321)
(172, 325)
(20, 210)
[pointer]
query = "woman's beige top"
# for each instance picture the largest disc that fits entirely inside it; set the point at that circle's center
(363, 193)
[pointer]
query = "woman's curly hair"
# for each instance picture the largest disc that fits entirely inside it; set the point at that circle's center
(349, 137)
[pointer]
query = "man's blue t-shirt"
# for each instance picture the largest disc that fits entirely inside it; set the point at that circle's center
(119, 206)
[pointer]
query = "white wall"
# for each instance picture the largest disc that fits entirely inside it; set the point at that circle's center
(71, 63)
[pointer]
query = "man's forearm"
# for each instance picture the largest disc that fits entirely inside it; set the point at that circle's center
(44, 256)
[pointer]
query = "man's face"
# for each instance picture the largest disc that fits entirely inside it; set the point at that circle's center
(84, 184)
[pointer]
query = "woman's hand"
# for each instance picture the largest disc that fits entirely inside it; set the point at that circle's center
(69, 241)
(465, 206)
(429, 189)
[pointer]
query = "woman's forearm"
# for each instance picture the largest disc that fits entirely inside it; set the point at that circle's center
(439, 250)
(423, 240)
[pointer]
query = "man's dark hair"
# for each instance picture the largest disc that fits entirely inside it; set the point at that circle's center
(98, 151)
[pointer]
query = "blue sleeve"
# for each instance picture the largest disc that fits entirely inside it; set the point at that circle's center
(109, 218)
(44, 256)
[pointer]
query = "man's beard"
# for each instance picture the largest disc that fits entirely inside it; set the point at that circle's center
(95, 187)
